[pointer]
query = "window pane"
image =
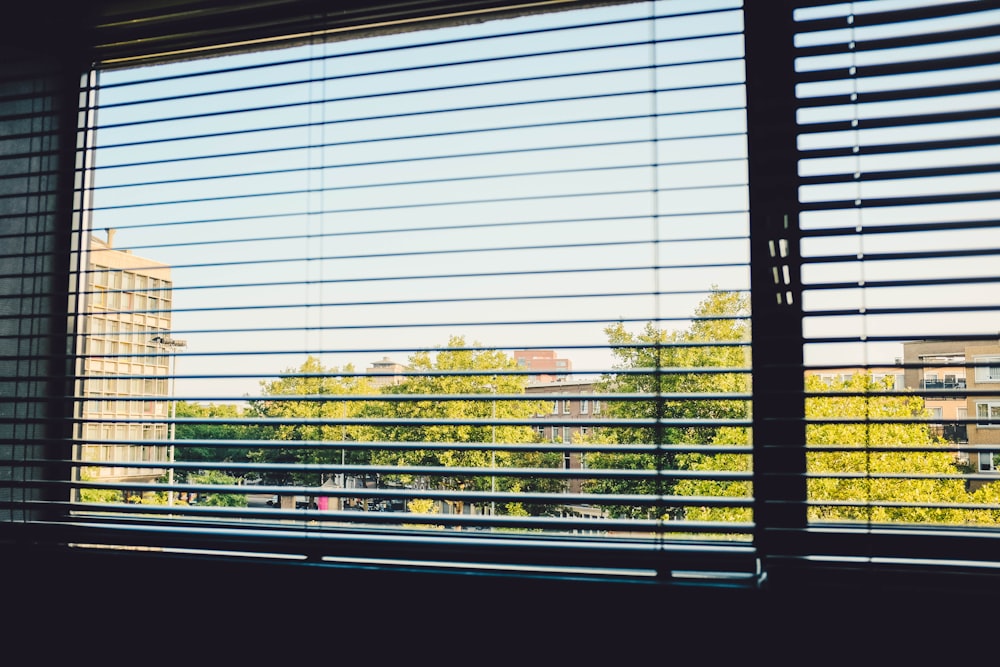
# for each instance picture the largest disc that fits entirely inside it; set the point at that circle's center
(899, 245)
(399, 283)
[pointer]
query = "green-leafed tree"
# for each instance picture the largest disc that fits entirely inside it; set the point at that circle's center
(860, 459)
(877, 494)
(218, 499)
(712, 488)
(228, 427)
(317, 388)
(655, 362)
(445, 373)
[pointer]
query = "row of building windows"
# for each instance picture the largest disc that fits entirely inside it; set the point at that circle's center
(987, 369)
(125, 432)
(566, 407)
(123, 406)
(114, 289)
(127, 453)
(143, 354)
(98, 382)
(129, 281)
(130, 341)
(561, 433)
(127, 301)
(111, 326)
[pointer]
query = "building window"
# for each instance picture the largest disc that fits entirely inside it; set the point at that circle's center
(987, 369)
(565, 407)
(584, 407)
(988, 410)
(986, 462)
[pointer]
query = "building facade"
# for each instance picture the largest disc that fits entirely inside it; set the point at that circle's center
(386, 373)
(125, 369)
(982, 360)
(963, 377)
(543, 365)
(569, 419)
(938, 367)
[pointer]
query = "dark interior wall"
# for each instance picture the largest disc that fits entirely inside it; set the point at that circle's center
(38, 114)
(149, 607)
(151, 604)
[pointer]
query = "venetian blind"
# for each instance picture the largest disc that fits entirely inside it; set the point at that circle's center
(897, 162)
(476, 294)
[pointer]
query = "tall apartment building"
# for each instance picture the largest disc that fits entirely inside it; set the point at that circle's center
(966, 375)
(126, 368)
(940, 366)
(982, 360)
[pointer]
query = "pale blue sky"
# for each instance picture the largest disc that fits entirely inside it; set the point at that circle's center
(371, 219)
(973, 295)
(583, 210)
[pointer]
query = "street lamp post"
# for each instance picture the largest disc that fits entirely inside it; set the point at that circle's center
(173, 344)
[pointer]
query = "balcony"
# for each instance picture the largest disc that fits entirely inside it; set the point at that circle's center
(957, 384)
(951, 431)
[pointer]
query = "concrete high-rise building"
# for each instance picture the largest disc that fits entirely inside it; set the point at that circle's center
(126, 367)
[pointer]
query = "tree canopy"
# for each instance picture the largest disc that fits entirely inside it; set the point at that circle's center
(311, 392)
(460, 369)
(226, 426)
(860, 482)
(468, 372)
(218, 499)
(656, 362)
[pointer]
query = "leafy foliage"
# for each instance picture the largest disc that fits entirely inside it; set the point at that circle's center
(315, 389)
(100, 496)
(858, 483)
(873, 489)
(300, 396)
(218, 499)
(226, 426)
(655, 362)
(446, 373)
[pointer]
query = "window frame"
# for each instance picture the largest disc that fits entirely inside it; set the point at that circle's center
(989, 405)
(773, 178)
(984, 366)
